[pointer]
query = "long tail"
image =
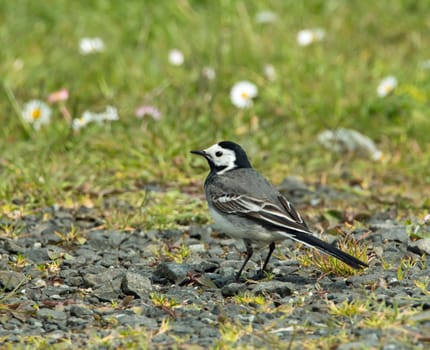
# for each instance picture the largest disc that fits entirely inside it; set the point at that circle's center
(314, 242)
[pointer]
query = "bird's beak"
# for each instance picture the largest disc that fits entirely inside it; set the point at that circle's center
(199, 152)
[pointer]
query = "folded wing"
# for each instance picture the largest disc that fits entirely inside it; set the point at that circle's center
(281, 218)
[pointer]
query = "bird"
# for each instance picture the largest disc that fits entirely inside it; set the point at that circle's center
(245, 205)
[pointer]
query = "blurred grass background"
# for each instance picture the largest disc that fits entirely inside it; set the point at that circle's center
(326, 85)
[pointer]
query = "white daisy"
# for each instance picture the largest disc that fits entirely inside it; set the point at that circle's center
(269, 72)
(91, 45)
(37, 113)
(242, 93)
(176, 57)
(266, 16)
(306, 37)
(386, 86)
(110, 114)
(79, 123)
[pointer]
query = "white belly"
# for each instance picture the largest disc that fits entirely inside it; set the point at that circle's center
(239, 229)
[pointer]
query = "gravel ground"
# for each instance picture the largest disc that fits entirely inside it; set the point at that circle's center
(110, 287)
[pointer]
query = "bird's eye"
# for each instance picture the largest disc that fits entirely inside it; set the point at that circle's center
(218, 154)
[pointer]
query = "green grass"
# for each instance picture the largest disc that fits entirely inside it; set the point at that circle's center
(326, 85)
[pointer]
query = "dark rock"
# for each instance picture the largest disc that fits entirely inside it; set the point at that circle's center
(170, 234)
(12, 247)
(9, 280)
(51, 315)
(88, 254)
(109, 291)
(294, 189)
(133, 320)
(77, 323)
(136, 284)
(44, 228)
(106, 283)
(234, 288)
(207, 266)
(109, 260)
(283, 289)
(390, 231)
(117, 238)
(421, 246)
(107, 275)
(80, 311)
(98, 240)
(172, 271)
(37, 255)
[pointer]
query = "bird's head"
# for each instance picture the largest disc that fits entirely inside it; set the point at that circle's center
(224, 156)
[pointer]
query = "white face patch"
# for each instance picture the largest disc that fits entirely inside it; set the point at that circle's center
(222, 157)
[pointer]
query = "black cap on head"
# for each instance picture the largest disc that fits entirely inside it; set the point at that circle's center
(241, 157)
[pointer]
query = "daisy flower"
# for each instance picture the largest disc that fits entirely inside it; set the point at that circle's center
(242, 93)
(267, 16)
(79, 123)
(91, 45)
(149, 110)
(58, 96)
(269, 72)
(110, 114)
(37, 113)
(306, 37)
(176, 57)
(386, 86)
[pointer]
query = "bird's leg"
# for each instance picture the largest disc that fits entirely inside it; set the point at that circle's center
(249, 252)
(271, 249)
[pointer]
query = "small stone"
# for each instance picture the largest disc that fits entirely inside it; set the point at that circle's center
(421, 246)
(422, 317)
(39, 283)
(9, 280)
(76, 322)
(283, 289)
(11, 247)
(37, 255)
(136, 284)
(80, 311)
(51, 315)
(109, 291)
(106, 283)
(103, 276)
(117, 238)
(197, 248)
(133, 320)
(294, 188)
(232, 289)
(390, 231)
(172, 271)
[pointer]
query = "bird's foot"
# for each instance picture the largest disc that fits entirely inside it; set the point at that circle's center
(259, 275)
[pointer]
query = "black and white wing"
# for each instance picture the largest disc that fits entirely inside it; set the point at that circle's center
(281, 218)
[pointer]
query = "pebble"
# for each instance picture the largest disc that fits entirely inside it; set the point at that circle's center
(9, 280)
(136, 284)
(282, 289)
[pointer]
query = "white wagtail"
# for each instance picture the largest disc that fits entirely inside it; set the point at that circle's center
(245, 205)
